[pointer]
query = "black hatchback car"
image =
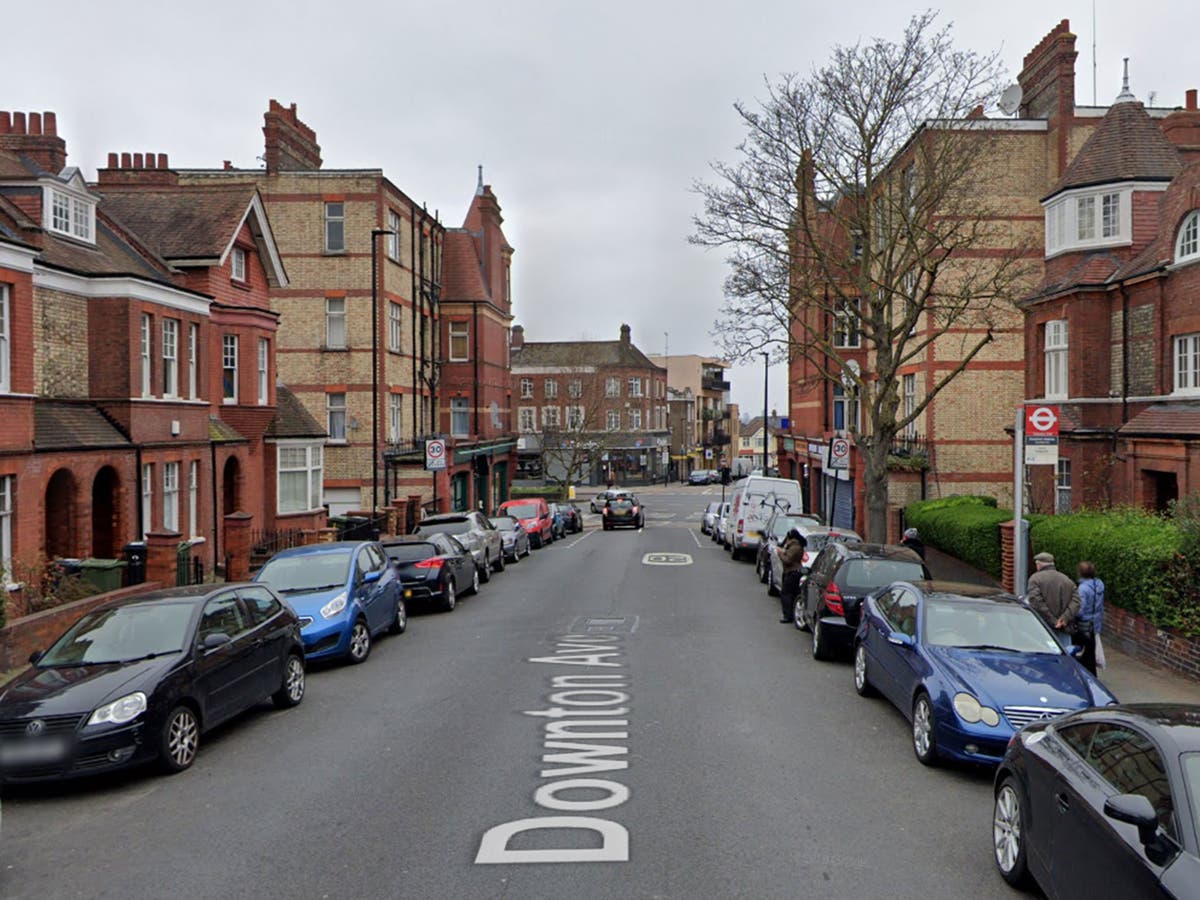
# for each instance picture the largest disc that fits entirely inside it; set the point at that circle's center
(840, 577)
(1103, 803)
(436, 569)
(142, 678)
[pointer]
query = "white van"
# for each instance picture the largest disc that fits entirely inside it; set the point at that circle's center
(748, 517)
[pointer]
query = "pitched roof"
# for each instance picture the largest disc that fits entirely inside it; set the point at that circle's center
(292, 418)
(1127, 145)
(1166, 420)
(748, 429)
(462, 273)
(220, 432)
(581, 353)
(182, 221)
(67, 425)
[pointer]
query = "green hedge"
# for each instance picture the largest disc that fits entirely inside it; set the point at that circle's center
(967, 527)
(549, 492)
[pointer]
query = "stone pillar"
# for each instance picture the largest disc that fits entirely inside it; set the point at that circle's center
(400, 512)
(308, 536)
(414, 500)
(162, 557)
(326, 535)
(237, 546)
(1007, 562)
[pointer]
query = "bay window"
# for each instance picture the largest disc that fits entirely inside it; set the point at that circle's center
(300, 477)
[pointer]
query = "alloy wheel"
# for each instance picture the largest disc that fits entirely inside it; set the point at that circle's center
(360, 642)
(475, 582)
(401, 620)
(1006, 828)
(922, 728)
(450, 600)
(183, 735)
(860, 669)
(294, 683)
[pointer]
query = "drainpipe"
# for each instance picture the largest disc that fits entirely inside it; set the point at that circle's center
(141, 489)
(212, 447)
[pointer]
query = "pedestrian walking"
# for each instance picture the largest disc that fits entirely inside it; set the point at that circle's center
(791, 556)
(1090, 621)
(1054, 597)
(912, 540)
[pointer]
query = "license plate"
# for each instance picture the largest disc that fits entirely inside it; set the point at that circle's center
(16, 753)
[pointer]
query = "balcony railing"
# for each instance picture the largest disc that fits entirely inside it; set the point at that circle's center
(710, 383)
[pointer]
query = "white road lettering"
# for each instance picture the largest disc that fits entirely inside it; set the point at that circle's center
(614, 842)
(547, 794)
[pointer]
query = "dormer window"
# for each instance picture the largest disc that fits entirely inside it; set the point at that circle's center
(1187, 248)
(1083, 220)
(72, 216)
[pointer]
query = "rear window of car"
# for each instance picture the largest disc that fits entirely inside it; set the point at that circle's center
(406, 553)
(713, 507)
(621, 503)
(856, 575)
(504, 523)
(522, 510)
(444, 527)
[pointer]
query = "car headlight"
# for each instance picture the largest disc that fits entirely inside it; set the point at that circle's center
(120, 711)
(334, 606)
(971, 710)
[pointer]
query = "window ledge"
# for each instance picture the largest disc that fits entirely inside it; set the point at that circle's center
(337, 442)
(327, 349)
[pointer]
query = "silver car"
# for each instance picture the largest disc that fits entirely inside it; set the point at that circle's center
(720, 531)
(708, 519)
(817, 537)
(475, 532)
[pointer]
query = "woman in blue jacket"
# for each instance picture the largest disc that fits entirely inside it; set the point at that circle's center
(1091, 615)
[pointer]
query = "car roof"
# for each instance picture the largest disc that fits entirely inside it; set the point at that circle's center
(444, 517)
(863, 550)
(1178, 723)
(819, 530)
(407, 539)
(963, 590)
(194, 593)
(314, 549)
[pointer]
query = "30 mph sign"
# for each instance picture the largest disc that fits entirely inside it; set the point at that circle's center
(435, 454)
(839, 454)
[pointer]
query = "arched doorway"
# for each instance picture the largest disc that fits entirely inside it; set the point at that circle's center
(106, 519)
(230, 493)
(60, 514)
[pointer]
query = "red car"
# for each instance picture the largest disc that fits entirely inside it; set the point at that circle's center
(534, 516)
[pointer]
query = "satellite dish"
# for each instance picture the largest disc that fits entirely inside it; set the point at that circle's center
(853, 373)
(1010, 100)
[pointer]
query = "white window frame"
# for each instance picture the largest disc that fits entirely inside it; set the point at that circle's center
(550, 389)
(851, 409)
(575, 418)
(635, 420)
(310, 464)
(1062, 486)
(527, 419)
(335, 221)
(395, 417)
(229, 364)
(1187, 244)
(194, 499)
(613, 420)
(1064, 225)
(393, 239)
(635, 386)
(460, 417)
(1185, 353)
(8, 490)
(170, 357)
(459, 332)
(846, 331)
(193, 360)
(1110, 215)
(264, 371)
(70, 215)
(1055, 347)
(336, 327)
(395, 326)
(5, 345)
(612, 386)
(237, 264)
(170, 498)
(575, 388)
(908, 386)
(526, 388)
(60, 212)
(551, 418)
(145, 355)
(147, 498)
(1085, 219)
(335, 416)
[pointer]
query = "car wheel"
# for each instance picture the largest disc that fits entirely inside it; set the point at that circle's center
(499, 567)
(485, 572)
(449, 600)
(760, 571)
(291, 692)
(536, 542)
(862, 678)
(772, 591)
(820, 645)
(475, 581)
(180, 739)
(360, 642)
(1008, 834)
(401, 621)
(799, 618)
(924, 743)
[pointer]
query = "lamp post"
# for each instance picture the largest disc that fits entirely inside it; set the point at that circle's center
(375, 233)
(766, 422)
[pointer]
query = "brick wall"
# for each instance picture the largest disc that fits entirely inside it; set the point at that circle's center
(60, 363)
(1134, 635)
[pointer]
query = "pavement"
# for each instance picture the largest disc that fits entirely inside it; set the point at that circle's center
(736, 765)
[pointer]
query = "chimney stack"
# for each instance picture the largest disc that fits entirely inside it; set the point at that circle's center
(1047, 78)
(36, 137)
(152, 169)
(1181, 127)
(517, 340)
(290, 144)
(625, 336)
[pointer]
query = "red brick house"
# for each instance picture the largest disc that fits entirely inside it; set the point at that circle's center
(475, 386)
(136, 361)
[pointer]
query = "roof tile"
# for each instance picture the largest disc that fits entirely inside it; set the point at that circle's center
(1127, 145)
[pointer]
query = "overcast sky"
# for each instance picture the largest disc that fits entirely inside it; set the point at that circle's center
(591, 120)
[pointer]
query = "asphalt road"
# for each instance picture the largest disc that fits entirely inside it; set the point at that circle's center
(753, 771)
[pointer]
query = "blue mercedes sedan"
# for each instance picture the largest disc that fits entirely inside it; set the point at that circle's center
(968, 665)
(345, 593)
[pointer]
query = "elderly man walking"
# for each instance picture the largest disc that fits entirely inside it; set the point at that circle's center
(1054, 597)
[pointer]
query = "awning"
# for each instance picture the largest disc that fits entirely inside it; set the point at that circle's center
(466, 454)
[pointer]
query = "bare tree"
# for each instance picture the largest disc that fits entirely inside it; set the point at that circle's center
(581, 435)
(859, 231)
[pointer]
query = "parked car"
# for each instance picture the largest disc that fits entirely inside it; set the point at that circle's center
(474, 532)
(143, 678)
(624, 510)
(708, 519)
(753, 501)
(344, 592)
(572, 517)
(779, 523)
(513, 538)
(534, 516)
(816, 537)
(1103, 803)
(700, 476)
(968, 665)
(841, 575)
(436, 569)
(558, 520)
(719, 532)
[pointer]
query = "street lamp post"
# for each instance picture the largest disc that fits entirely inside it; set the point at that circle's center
(375, 233)
(766, 422)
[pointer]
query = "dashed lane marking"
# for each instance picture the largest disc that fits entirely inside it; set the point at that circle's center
(694, 538)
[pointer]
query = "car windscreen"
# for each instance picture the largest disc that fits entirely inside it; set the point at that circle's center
(122, 634)
(859, 576)
(522, 510)
(1191, 774)
(784, 524)
(1006, 626)
(712, 508)
(504, 523)
(461, 527)
(306, 572)
(408, 553)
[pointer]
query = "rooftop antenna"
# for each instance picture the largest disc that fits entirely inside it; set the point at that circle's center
(1093, 52)
(1126, 95)
(479, 186)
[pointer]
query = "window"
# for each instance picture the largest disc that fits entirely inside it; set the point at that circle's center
(147, 498)
(335, 416)
(877, 224)
(300, 477)
(1187, 363)
(170, 357)
(1130, 762)
(229, 368)
(526, 388)
(635, 420)
(237, 264)
(145, 355)
(222, 615)
(575, 418)
(845, 324)
(395, 323)
(171, 496)
(551, 388)
(71, 216)
(60, 212)
(193, 359)
(393, 239)
(5, 352)
(459, 335)
(194, 499)
(612, 387)
(856, 244)
(8, 487)
(1055, 342)
(550, 417)
(1062, 487)
(1085, 218)
(335, 323)
(264, 363)
(908, 186)
(1110, 215)
(260, 604)
(460, 417)
(575, 388)
(845, 409)
(527, 419)
(614, 420)
(81, 219)
(635, 387)
(395, 417)
(1188, 245)
(335, 227)
(909, 392)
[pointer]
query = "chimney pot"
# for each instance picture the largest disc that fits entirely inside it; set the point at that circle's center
(35, 123)
(18, 123)
(228, 164)
(625, 334)
(50, 124)
(5, 122)
(149, 160)
(112, 160)
(138, 162)
(1191, 99)
(162, 161)
(126, 161)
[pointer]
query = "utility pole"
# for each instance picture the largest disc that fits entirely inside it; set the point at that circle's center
(375, 233)
(766, 421)
(1020, 563)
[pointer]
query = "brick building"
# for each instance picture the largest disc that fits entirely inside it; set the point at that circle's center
(475, 386)
(327, 223)
(710, 436)
(137, 372)
(1113, 332)
(590, 409)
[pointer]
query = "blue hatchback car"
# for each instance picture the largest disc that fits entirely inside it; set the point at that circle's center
(345, 593)
(968, 665)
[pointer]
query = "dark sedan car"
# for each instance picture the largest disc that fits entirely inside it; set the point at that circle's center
(513, 538)
(572, 517)
(700, 476)
(435, 568)
(1103, 803)
(142, 678)
(623, 510)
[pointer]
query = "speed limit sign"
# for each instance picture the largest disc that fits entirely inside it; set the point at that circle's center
(435, 454)
(839, 454)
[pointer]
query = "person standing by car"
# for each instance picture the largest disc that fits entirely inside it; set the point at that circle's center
(791, 555)
(912, 540)
(1091, 614)
(1054, 597)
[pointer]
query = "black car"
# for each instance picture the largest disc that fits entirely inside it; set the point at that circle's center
(623, 510)
(142, 678)
(572, 517)
(700, 476)
(840, 577)
(434, 568)
(1103, 803)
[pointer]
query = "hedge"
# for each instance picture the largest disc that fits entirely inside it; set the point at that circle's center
(549, 492)
(967, 527)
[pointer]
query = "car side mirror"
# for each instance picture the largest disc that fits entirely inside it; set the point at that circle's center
(35, 656)
(372, 577)
(900, 639)
(215, 640)
(1136, 810)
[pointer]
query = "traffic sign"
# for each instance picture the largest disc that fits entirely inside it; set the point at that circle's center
(708, 454)
(1041, 434)
(839, 454)
(435, 454)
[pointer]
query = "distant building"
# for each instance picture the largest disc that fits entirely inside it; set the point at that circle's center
(704, 377)
(757, 445)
